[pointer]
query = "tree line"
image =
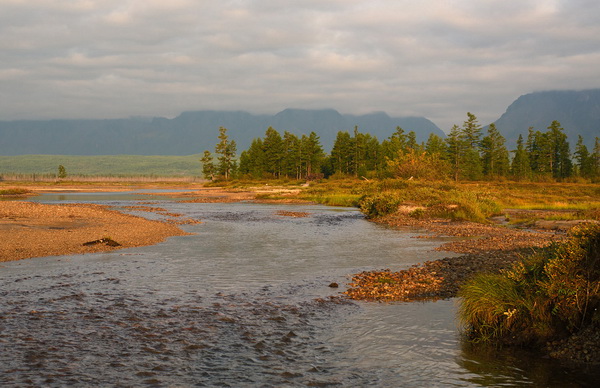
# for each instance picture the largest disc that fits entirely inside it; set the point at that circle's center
(467, 153)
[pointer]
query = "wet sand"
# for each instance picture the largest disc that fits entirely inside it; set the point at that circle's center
(33, 230)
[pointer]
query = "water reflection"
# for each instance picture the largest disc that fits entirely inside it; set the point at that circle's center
(243, 302)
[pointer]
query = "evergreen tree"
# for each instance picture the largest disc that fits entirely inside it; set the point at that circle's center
(208, 166)
(341, 154)
(62, 172)
(585, 161)
(596, 158)
(561, 165)
(520, 167)
(292, 158)
(252, 161)
(374, 159)
(495, 155)
(225, 149)
(273, 149)
(396, 142)
(472, 168)
(312, 155)
(435, 145)
(471, 131)
(411, 141)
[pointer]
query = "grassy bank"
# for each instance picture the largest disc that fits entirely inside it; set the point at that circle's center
(457, 201)
(548, 296)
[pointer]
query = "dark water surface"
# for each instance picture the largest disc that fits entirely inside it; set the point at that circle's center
(244, 301)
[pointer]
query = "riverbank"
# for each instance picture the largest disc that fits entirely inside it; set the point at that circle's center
(484, 248)
(35, 230)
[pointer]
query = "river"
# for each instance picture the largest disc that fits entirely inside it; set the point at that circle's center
(242, 301)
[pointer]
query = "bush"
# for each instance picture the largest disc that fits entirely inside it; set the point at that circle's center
(548, 295)
(379, 205)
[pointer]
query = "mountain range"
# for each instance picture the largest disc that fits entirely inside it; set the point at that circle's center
(191, 132)
(577, 111)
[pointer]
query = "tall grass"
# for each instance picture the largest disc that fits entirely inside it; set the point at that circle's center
(438, 199)
(550, 294)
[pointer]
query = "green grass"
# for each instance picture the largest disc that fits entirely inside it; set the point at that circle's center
(104, 165)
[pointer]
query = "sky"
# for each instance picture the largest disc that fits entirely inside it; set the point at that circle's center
(437, 59)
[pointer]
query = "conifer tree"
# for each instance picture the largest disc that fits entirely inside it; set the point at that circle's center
(521, 167)
(341, 154)
(292, 158)
(494, 153)
(226, 150)
(561, 165)
(273, 149)
(435, 145)
(395, 143)
(596, 158)
(312, 155)
(208, 166)
(585, 161)
(252, 161)
(472, 168)
(456, 150)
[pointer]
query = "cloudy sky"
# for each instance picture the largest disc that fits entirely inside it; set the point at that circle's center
(438, 59)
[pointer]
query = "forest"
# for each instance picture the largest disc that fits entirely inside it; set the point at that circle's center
(466, 154)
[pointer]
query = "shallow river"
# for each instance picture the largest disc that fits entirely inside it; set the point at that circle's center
(244, 301)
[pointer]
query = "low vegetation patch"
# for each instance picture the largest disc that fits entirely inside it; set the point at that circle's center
(14, 192)
(549, 295)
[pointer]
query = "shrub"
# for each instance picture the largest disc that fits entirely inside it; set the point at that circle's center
(379, 205)
(548, 295)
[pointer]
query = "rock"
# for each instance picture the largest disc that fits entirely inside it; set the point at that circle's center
(106, 241)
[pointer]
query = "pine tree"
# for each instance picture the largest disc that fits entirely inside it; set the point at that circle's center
(435, 145)
(471, 134)
(520, 167)
(312, 156)
(411, 141)
(62, 172)
(585, 161)
(273, 148)
(291, 161)
(252, 161)
(395, 143)
(456, 150)
(208, 166)
(471, 131)
(561, 165)
(226, 150)
(342, 154)
(596, 158)
(495, 155)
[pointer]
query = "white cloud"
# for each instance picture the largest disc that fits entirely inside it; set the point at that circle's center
(437, 59)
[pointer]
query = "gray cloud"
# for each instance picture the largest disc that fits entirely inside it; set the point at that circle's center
(438, 59)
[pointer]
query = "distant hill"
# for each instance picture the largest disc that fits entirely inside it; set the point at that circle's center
(190, 132)
(577, 111)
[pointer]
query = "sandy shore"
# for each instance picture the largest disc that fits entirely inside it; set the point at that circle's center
(30, 229)
(34, 230)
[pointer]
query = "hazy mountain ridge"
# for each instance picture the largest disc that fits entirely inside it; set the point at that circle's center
(577, 111)
(190, 132)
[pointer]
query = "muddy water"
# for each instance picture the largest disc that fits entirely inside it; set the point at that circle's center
(244, 301)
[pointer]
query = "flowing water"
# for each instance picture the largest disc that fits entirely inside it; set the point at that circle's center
(243, 301)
